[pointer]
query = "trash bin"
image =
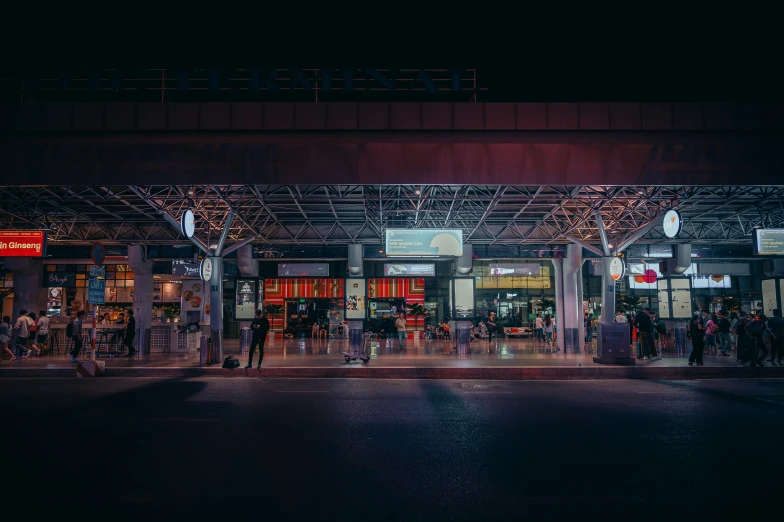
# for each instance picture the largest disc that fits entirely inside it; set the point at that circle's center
(355, 340)
(245, 338)
(463, 337)
(680, 341)
(204, 350)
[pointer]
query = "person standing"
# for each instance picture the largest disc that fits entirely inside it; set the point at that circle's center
(588, 327)
(723, 334)
(757, 330)
(644, 325)
(539, 327)
(697, 334)
(130, 333)
(776, 326)
(402, 333)
(22, 328)
(77, 337)
(620, 317)
(259, 327)
(549, 329)
(491, 326)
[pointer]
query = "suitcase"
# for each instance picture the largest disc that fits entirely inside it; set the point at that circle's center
(747, 349)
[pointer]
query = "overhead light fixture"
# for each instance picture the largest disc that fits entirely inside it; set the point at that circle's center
(214, 247)
(190, 192)
(380, 251)
(417, 192)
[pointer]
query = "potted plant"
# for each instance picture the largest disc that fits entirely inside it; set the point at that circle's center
(274, 310)
(416, 310)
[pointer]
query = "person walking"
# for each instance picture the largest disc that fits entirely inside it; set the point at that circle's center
(259, 327)
(77, 338)
(42, 333)
(697, 334)
(22, 328)
(776, 326)
(402, 333)
(588, 327)
(5, 336)
(549, 329)
(130, 333)
(757, 329)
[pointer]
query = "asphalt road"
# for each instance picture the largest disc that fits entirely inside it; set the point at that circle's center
(393, 449)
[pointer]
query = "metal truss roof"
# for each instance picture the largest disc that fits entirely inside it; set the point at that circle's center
(341, 214)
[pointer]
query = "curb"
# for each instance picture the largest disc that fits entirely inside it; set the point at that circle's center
(369, 372)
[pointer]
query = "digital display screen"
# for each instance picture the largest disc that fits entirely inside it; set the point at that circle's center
(303, 269)
(769, 242)
(424, 242)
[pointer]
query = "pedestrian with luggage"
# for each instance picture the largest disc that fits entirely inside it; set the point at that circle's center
(259, 327)
(776, 326)
(697, 334)
(644, 325)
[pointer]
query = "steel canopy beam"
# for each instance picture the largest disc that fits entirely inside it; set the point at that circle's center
(585, 245)
(602, 233)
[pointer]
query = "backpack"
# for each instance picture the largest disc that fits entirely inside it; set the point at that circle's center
(230, 362)
(33, 328)
(69, 330)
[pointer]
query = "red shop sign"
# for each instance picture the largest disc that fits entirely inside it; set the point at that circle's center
(22, 243)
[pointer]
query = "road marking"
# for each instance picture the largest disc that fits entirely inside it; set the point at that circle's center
(302, 391)
(180, 419)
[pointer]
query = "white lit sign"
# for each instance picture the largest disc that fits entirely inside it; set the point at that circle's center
(206, 269)
(672, 223)
(188, 224)
(617, 268)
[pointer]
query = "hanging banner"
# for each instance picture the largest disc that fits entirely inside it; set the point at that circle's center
(22, 243)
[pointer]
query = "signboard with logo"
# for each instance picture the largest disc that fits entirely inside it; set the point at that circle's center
(98, 271)
(98, 253)
(769, 242)
(246, 299)
(59, 279)
(22, 243)
(205, 271)
(617, 268)
(181, 268)
(188, 224)
(525, 269)
(424, 243)
(672, 223)
(96, 291)
(393, 270)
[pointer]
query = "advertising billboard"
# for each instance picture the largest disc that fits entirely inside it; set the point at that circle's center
(769, 242)
(524, 269)
(303, 269)
(394, 269)
(424, 243)
(22, 243)
(185, 269)
(246, 299)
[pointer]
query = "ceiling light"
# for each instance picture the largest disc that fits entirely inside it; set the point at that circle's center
(380, 251)
(190, 192)
(214, 247)
(417, 192)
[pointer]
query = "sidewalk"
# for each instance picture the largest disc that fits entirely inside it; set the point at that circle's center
(505, 359)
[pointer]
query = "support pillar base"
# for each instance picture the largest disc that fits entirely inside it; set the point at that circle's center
(618, 361)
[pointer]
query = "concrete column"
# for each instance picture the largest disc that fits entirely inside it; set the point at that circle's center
(559, 302)
(216, 308)
(608, 292)
(573, 326)
(142, 296)
(28, 282)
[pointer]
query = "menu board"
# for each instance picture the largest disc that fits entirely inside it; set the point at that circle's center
(171, 292)
(246, 299)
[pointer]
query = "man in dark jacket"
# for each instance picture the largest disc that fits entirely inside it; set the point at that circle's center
(644, 325)
(259, 327)
(776, 325)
